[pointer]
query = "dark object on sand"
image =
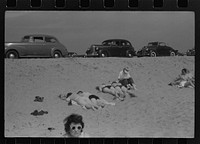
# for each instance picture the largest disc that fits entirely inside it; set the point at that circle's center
(36, 112)
(51, 128)
(39, 99)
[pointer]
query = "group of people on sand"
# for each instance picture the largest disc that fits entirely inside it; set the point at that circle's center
(124, 86)
(121, 88)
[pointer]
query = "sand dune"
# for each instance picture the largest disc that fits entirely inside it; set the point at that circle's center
(158, 110)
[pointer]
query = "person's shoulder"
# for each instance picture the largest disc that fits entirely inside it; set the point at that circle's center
(83, 134)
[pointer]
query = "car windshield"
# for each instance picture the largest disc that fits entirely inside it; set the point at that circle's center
(107, 43)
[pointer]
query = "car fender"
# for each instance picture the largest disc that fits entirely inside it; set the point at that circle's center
(104, 50)
(54, 49)
(17, 48)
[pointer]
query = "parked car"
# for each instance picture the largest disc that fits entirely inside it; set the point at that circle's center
(35, 45)
(190, 52)
(112, 48)
(154, 49)
(72, 54)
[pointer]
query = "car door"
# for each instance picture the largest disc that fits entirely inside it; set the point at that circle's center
(50, 43)
(39, 48)
(161, 49)
(114, 48)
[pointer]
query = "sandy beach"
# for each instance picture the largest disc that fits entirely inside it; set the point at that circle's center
(159, 110)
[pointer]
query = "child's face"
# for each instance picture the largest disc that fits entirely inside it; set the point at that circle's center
(75, 130)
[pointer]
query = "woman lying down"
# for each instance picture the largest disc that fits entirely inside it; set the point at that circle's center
(86, 100)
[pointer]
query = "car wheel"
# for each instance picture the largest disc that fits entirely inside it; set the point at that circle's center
(103, 54)
(57, 54)
(153, 54)
(12, 54)
(172, 53)
(129, 53)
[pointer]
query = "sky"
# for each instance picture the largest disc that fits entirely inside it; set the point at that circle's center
(78, 30)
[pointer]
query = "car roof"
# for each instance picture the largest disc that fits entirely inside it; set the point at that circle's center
(116, 40)
(45, 35)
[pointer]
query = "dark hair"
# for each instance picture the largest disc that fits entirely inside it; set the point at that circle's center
(73, 118)
(69, 94)
(184, 70)
(79, 92)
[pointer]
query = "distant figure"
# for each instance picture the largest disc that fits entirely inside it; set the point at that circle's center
(74, 126)
(125, 79)
(31, 39)
(185, 79)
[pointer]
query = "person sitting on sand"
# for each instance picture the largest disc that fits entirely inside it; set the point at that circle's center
(125, 79)
(185, 79)
(74, 126)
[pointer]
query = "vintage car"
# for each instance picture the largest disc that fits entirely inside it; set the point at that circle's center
(35, 45)
(154, 49)
(112, 48)
(190, 52)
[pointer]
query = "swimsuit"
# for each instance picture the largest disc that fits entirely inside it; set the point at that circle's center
(107, 86)
(93, 96)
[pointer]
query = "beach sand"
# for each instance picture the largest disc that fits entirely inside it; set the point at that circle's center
(159, 110)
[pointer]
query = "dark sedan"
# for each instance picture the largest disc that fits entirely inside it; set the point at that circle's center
(111, 48)
(154, 49)
(35, 45)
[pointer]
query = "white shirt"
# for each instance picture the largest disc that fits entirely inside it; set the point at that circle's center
(123, 75)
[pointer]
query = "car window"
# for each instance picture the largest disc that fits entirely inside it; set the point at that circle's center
(38, 39)
(162, 44)
(51, 40)
(153, 44)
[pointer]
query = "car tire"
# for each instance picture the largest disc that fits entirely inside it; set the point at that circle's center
(152, 54)
(12, 54)
(103, 54)
(172, 53)
(129, 53)
(57, 54)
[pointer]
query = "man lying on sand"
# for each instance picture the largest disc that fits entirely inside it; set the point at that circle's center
(116, 89)
(185, 79)
(86, 100)
(110, 89)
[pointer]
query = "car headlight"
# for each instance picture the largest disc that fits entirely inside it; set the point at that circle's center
(96, 48)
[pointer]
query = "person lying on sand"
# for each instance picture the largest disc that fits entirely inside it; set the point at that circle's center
(95, 99)
(110, 89)
(116, 89)
(107, 88)
(125, 79)
(77, 99)
(123, 91)
(185, 79)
